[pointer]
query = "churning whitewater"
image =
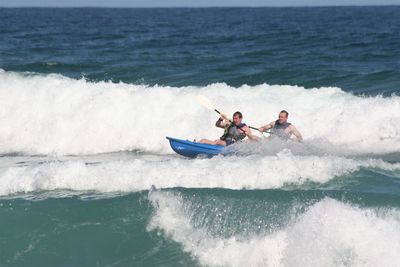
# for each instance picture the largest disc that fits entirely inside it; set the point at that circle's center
(138, 173)
(110, 137)
(56, 115)
(327, 233)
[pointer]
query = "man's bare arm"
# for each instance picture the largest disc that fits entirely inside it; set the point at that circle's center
(246, 130)
(221, 123)
(296, 133)
(267, 127)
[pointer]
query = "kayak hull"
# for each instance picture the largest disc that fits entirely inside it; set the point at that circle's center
(193, 149)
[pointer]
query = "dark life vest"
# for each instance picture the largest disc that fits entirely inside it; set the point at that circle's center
(233, 133)
(279, 129)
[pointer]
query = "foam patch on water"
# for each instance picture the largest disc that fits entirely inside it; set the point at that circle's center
(52, 114)
(329, 233)
(139, 173)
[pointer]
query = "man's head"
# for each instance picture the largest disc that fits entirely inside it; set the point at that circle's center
(237, 117)
(283, 116)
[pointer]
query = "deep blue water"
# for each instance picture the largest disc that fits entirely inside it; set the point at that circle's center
(87, 96)
(354, 48)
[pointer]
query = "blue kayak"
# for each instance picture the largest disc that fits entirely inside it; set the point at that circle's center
(192, 149)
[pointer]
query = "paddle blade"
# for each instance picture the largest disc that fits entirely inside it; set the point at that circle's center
(205, 102)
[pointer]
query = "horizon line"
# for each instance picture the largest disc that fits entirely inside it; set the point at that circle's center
(233, 6)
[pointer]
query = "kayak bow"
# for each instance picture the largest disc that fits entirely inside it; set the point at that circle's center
(193, 149)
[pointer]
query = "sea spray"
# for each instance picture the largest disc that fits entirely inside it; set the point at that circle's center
(328, 233)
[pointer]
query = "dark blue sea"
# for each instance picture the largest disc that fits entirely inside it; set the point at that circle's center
(88, 95)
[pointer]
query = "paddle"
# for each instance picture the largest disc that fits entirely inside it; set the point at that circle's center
(205, 102)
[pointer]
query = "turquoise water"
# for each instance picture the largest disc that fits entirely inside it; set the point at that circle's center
(87, 97)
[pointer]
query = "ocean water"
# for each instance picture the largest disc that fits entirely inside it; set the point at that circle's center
(87, 97)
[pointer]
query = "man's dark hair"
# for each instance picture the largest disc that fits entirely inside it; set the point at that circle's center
(284, 111)
(238, 113)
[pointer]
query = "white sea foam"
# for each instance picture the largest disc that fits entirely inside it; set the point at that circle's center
(329, 233)
(52, 114)
(139, 173)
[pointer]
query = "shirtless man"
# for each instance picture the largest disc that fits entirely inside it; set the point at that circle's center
(235, 130)
(282, 128)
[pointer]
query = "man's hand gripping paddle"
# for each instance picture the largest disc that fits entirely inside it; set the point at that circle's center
(205, 102)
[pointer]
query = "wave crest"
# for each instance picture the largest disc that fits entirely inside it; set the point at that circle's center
(52, 114)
